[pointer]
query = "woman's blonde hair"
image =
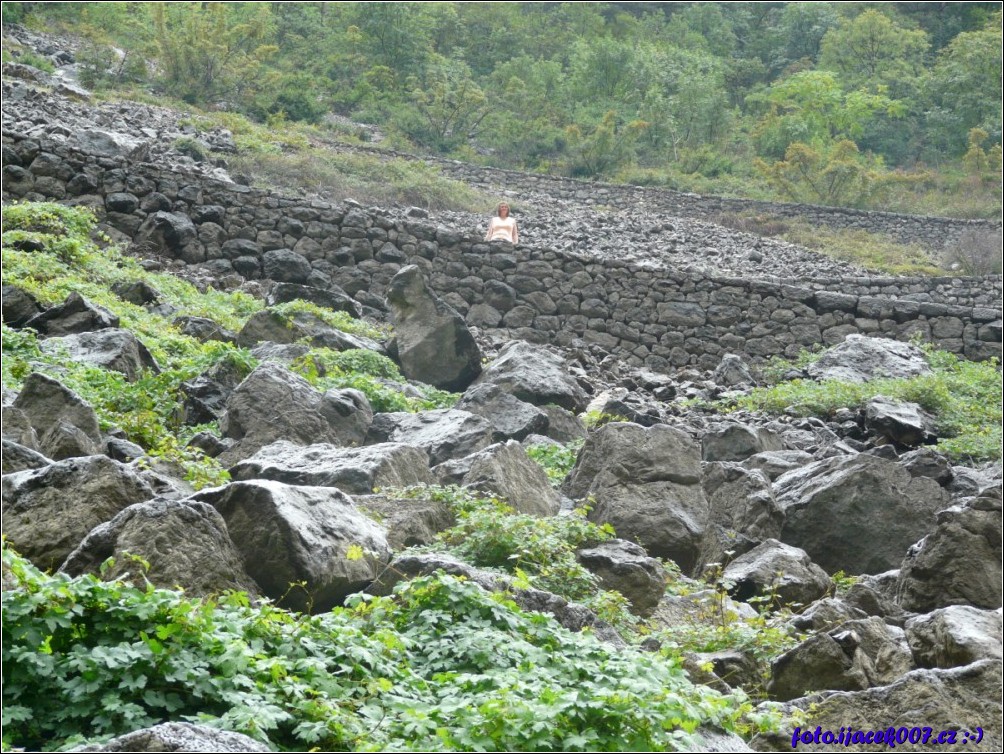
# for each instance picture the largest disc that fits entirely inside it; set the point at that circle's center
(498, 209)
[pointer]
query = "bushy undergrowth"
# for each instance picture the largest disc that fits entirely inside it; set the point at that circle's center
(556, 460)
(964, 397)
(439, 666)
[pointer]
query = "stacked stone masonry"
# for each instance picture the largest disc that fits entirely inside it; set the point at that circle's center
(660, 318)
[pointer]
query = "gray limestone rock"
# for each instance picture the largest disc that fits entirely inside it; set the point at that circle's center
(861, 359)
(959, 563)
(111, 348)
(48, 511)
(353, 470)
(646, 483)
(736, 442)
(858, 514)
(784, 573)
(409, 521)
(66, 426)
(169, 737)
(901, 422)
(742, 512)
(511, 418)
(75, 315)
(442, 433)
(286, 534)
(624, 567)
(535, 375)
(18, 306)
(954, 636)
(184, 542)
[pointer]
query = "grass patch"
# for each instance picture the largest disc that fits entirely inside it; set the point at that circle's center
(963, 396)
(872, 251)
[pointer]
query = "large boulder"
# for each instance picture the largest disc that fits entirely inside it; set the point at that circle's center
(75, 315)
(735, 442)
(743, 512)
(646, 483)
(354, 470)
(505, 470)
(19, 306)
(954, 636)
(862, 359)
(855, 655)
(409, 521)
(778, 571)
(48, 511)
(184, 542)
(287, 534)
(111, 348)
(858, 514)
(431, 340)
(442, 433)
(624, 567)
(959, 700)
(166, 233)
(65, 425)
(774, 463)
(535, 375)
(902, 422)
(168, 737)
(276, 404)
(959, 563)
(511, 418)
(333, 298)
(17, 457)
(286, 266)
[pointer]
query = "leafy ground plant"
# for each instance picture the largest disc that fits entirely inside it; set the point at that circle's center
(964, 396)
(440, 665)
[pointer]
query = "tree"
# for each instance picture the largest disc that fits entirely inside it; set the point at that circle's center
(836, 174)
(871, 50)
(450, 104)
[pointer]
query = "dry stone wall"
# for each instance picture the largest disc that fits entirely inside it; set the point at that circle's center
(657, 317)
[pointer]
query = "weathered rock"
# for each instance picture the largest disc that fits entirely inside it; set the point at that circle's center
(954, 636)
(48, 511)
(409, 521)
(286, 266)
(105, 143)
(353, 470)
(646, 483)
(959, 563)
(736, 442)
(111, 348)
(442, 433)
(273, 404)
(927, 462)
(18, 306)
(75, 315)
(742, 512)
(287, 534)
(861, 359)
(625, 567)
(179, 737)
(855, 655)
(535, 375)
(17, 457)
(504, 469)
(784, 573)
(858, 514)
(184, 542)
(825, 614)
(16, 424)
(431, 342)
(774, 463)
(271, 326)
(563, 425)
(732, 372)
(960, 699)
(205, 400)
(65, 425)
(901, 422)
(166, 233)
(204, 329)
(333, 298)
(511, 418)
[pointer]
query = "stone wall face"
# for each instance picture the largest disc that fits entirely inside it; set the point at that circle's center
(659, 318)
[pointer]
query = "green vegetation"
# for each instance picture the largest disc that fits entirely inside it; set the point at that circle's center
(839, 103)
(48, 252)
(963, 396)
(556, 460)
(440, 665)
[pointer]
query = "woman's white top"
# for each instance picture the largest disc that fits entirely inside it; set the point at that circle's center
(503, 229)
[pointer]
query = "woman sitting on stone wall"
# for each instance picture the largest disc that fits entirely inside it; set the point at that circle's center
(503, 227)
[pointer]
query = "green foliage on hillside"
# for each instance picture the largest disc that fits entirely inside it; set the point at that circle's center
(836, 103)
(963, 396)
(440, 665)
(48, 252)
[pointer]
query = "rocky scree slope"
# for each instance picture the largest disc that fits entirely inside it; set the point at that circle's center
(780, 504)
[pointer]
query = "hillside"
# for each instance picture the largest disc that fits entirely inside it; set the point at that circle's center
(645, 481)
